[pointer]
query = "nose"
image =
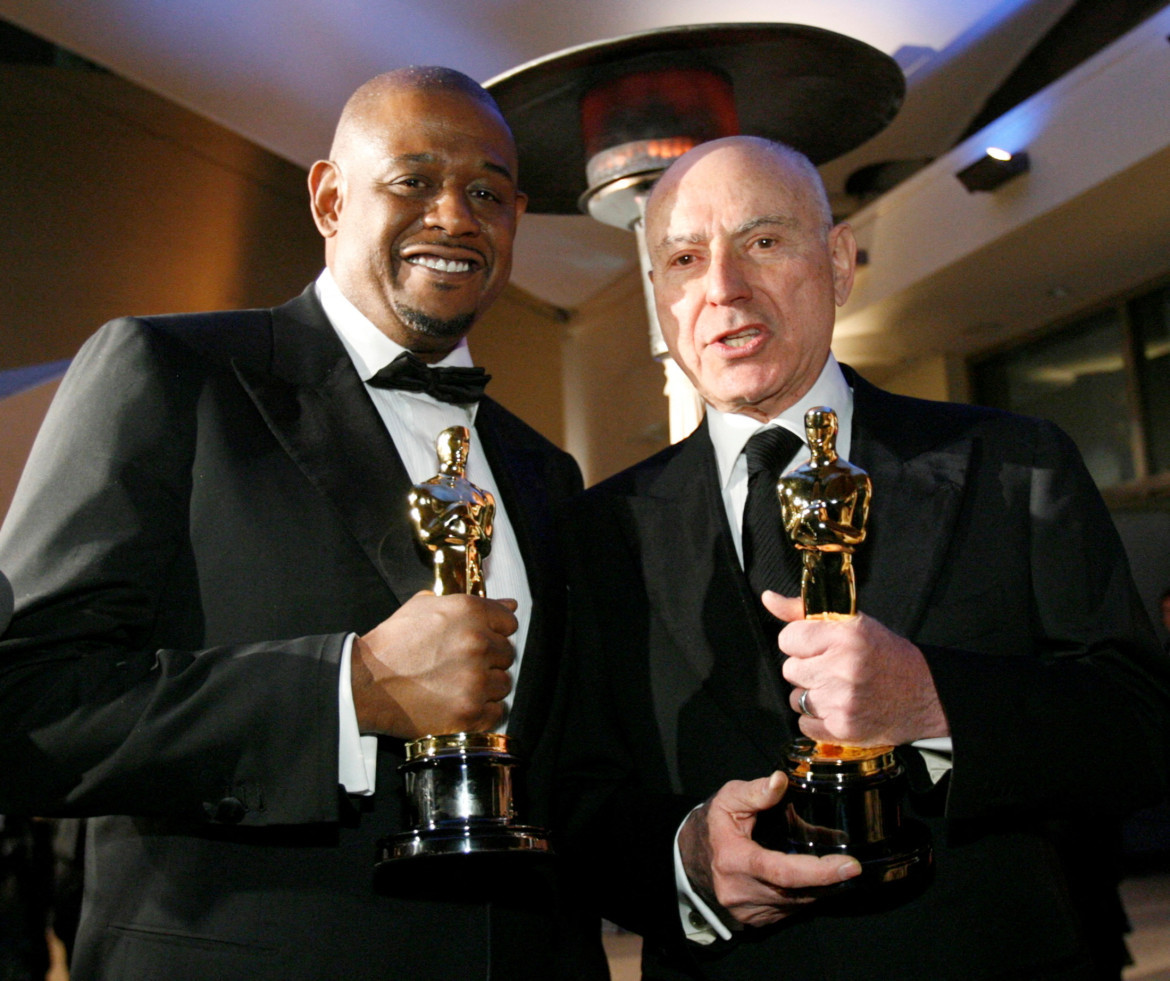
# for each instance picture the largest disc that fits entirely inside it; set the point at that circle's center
(726, 282)
(452, 212)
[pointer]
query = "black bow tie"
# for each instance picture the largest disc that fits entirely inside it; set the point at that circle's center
(445, 383)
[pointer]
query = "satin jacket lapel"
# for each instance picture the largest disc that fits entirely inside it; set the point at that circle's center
(917, 493)
(696, 585)
(519, 474)
(317, 407)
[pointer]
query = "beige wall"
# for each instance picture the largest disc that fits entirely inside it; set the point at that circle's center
(940, 377)
(116, 201)
(615, 412)
(20, 418)
(520, 343)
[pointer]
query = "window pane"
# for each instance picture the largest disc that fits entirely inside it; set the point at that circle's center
(1151, 320)
(1076, 379)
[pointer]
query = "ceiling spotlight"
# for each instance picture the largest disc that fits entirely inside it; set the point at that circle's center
(994, 168)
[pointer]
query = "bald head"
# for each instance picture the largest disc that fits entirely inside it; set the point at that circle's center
(766, 156)
(748, 270)
(364, 107)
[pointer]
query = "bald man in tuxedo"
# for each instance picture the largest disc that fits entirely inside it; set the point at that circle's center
(1000, 644)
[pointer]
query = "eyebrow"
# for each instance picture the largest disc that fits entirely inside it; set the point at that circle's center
(744, 228)
(765, 221)
(430, 158)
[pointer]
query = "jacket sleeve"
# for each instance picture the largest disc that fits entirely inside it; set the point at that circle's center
(616, 811)
(1062, 708)
(108, 703)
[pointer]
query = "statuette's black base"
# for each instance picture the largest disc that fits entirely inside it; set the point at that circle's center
(903, 859)
(846, 800)
(464, 827)
(467, 839)
(449, 866)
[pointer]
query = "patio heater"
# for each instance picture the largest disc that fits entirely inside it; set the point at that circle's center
(597, 124)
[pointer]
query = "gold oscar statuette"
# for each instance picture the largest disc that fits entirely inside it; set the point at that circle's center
(840, 799)
(453, 518)
(459, 785)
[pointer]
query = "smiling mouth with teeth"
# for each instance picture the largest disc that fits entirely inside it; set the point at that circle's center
(442, 265)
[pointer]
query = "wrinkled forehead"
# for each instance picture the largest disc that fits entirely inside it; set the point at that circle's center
(724, 192)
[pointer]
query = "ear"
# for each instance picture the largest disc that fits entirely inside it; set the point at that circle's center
(521, 204)
(326, 193)
(843, 256)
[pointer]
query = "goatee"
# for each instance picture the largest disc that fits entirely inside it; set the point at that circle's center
(451, 328)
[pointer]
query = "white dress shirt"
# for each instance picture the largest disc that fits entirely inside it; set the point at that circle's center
(413, 420)
(730, 431)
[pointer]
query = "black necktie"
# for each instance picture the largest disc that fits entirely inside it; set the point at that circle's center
(769, 558)
(445, 383)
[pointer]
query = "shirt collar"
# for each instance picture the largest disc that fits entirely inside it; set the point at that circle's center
(368, 348)
(729, 431)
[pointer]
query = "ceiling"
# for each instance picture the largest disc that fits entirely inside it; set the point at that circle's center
(278, 72)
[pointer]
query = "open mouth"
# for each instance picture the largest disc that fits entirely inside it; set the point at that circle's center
(740, 338)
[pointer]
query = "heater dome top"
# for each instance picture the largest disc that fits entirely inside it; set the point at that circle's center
(819, 91)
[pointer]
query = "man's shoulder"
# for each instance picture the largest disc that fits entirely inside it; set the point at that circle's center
(511, 430)
(223, 336)
(903, 419)
(641, 478)
(605, 524)
(172, 345)
(514, 444)
(217, 335)
(242, 335)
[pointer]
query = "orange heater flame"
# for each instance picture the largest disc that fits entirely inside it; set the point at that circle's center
(643, 121)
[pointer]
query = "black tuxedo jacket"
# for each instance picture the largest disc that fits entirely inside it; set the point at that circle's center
(211, 506)
(5, 602)
(989, 548)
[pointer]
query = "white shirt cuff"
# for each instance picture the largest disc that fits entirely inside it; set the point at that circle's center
(357, 755)
(937, 754)
(699, 923)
